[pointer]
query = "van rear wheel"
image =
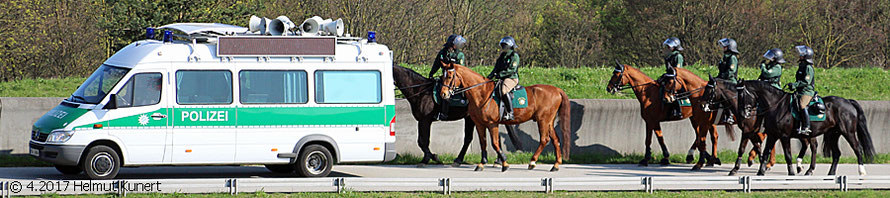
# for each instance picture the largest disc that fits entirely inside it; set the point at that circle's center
(314, 161)
(69, 170)
(280, 168)
(101, 162)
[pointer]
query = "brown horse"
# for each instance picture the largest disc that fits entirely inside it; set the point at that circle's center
(544, 102)
(654, 111)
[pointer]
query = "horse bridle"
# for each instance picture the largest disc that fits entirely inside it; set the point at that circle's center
(616, 86)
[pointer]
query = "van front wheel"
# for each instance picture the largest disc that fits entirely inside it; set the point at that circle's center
(314, 161)
(101, 162)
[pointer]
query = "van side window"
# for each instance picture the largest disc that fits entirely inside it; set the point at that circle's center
(203, 87)
(347, 87)
(273, 87)
(141, 90)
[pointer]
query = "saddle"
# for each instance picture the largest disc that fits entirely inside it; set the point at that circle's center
(456, 100)
(816, 108)
(520, 97)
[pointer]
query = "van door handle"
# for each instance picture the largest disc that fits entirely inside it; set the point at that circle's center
(158, 116)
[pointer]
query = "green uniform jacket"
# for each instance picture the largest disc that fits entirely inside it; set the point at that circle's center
(806, 79)
(772, 73)
(507, 66)
(674, 60)
(446, 55)
(728, 67)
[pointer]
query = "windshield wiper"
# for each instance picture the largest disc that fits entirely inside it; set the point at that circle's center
(78, 97)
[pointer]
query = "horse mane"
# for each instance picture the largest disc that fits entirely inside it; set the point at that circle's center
(628, 67)
(763, 85)
(691, 78)
(411, 73)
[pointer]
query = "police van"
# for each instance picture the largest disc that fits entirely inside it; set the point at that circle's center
(295, 99)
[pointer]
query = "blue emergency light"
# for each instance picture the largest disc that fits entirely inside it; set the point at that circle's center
(168, 36)
(372, 37)
(149, 33)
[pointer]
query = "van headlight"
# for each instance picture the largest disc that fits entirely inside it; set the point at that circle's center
(59, 136)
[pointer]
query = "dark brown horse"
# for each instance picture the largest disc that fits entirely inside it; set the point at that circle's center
(721, 92)
(544, 103)
(418, 90)
(844, 117)
(654, 111)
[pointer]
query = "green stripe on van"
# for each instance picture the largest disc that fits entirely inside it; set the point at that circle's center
(259, 116)
(390, 113)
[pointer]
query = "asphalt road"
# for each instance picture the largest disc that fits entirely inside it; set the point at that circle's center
(433, 171)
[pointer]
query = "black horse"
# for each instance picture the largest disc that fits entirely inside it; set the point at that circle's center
(844, 118)
(418, 90)
(723, 93)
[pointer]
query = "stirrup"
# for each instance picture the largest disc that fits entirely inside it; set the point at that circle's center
(508, 116)
(441, 116)
(804, 131)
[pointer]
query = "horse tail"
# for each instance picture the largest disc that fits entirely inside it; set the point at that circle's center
(729, 132)
(868, 147)
(565, 124)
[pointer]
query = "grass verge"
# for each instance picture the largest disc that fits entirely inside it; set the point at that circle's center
(21, 161)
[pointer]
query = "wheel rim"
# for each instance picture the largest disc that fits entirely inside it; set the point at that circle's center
(316, 162)
(102, 164)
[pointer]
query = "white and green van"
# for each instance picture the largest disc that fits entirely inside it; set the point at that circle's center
(221, 95)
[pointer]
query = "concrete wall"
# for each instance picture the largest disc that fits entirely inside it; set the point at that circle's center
(601, 126)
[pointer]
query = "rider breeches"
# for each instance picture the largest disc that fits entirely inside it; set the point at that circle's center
(508, 84)
(804, 100)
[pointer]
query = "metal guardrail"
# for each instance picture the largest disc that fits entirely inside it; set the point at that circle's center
(445, 185)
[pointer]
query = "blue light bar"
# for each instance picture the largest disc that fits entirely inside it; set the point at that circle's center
(149, 33)
(168, 36)
(372, 37)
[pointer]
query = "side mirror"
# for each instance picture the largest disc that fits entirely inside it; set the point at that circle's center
(112, 102)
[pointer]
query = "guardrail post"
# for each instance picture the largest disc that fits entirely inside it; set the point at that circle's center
(548, 184)
(446, 185)
(121, 188)
(842, 183)
(746, 183)
(232, 184)
(3, 189)
(647, 184)
(341, 184)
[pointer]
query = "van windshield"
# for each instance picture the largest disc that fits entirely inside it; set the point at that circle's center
(98, 85)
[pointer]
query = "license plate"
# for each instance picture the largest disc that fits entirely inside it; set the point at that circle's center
(35, 152)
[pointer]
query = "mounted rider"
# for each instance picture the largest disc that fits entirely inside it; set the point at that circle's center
(506, 70)
(772, 71)
(804, 86)
(728, 68)
(672, 60)
(450, 53)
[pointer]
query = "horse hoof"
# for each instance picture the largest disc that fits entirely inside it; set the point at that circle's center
(531, 166)
(665, 162)
(504, 168)
(733, 172)
(799, 169)
(689, 159)
(718, 162)
(696, 168)
(750, 163)
(479, 168)
(809, 172)
(435, 158)
(421, 165)
(768, 168)
(554, 169)
(455, 165)
(759, 173)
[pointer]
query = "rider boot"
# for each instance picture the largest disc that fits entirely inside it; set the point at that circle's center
(728, 117)
(443, 112)
(804, 118)
(508, 106)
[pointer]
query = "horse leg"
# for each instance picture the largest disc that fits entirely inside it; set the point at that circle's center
(786, 147)
(423, 140)
(480, 130)
(690, 155)
(738, 161)
(831, 143)
(543, 143)
(665, 160)
(854, 142)
(646, 157)
(556, 147)
(755, 146)
(812, 168)
(712, 160)
(496, 144)
(803, 152)
(469, 126)
(764, 157)
(701, 136)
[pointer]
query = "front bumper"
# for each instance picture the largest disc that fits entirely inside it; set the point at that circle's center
(390, 154)
(67, 155)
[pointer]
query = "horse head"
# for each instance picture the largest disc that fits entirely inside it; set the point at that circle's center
(710, 95)
(451, 80)
(618, 80)
(746, 99)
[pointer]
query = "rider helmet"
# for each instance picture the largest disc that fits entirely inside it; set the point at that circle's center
(673, 43)
(775, 54)
(455, 40)
(805, 53)
(729, 44)
(508, 42)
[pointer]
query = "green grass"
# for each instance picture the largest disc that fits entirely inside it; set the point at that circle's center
(21, 161)
(853, 83)
(726, 156)
(722, 194)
